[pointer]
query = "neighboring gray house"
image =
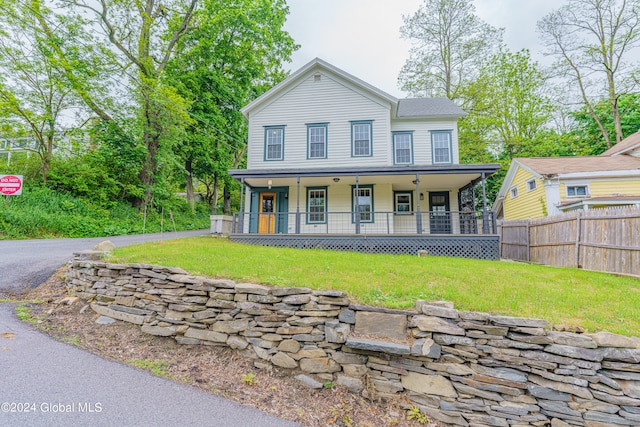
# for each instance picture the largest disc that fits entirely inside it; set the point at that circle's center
(332, 156)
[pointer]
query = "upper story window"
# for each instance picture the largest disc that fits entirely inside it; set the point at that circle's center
(317, 141)
(531, 184)
(361, 140)
(514, 191)
(441, 146)
(577, 191)
(403, 148)
(274, 143)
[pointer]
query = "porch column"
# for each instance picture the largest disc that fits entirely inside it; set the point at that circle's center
(418, 212)
(298, 209)
(357, 207)
(485, 214)
(241, 219)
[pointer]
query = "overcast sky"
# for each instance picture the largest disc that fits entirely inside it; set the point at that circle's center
(362, 37)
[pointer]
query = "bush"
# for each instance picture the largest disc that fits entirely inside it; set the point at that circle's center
(42, 212)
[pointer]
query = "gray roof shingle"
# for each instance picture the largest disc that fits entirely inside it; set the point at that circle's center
(428, 107)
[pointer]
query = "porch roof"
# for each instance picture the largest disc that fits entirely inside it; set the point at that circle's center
(478, 169)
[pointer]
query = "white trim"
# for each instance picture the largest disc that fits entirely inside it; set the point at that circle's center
(314, 66)
(511, 191)
(535, 184)
(632, 174)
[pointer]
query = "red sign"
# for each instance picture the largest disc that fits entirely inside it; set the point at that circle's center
(11, 185)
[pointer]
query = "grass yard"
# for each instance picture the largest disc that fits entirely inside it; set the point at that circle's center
(595, 301)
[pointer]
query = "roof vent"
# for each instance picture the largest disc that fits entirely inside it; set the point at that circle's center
(317, 77)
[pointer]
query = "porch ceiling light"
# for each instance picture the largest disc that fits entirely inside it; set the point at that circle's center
(269, 184)
(336, 179)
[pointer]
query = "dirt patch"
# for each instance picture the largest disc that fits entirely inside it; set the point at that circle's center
(216, 370)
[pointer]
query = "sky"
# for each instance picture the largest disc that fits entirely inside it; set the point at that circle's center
(362, 37)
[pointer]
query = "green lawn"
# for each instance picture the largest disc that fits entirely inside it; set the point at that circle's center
(595, 301)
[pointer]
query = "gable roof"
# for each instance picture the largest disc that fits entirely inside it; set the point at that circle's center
(403, 108)
(546, 166)
(428, 107)
(558, 166)
(626, 145)
(311, 67)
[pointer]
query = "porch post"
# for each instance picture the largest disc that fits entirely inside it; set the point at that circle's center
(298, 209)
(357, 207)
(241, 219)
(485, 214)
(418, 212)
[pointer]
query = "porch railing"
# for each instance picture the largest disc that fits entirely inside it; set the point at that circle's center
(442, 222)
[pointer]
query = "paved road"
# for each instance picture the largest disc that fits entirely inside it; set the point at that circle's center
(47, 377)
(24, 264)
(61, 385)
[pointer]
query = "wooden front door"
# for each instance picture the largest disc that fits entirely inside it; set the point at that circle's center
(439, 215)
(267, 216)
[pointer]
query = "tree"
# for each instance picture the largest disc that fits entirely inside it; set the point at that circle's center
(508, 101)
(33, 98)
(587, 131)
(234, 53)
(592, 40)
(449, 42)
(141, 37)
(507, 114)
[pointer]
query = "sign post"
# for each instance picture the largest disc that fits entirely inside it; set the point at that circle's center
(11, 185)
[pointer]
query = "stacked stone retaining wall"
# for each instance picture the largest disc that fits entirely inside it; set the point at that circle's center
(462, 368)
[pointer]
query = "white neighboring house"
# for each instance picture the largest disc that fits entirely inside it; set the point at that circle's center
(331, 155)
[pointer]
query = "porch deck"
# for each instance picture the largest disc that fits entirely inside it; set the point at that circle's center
(455, 234)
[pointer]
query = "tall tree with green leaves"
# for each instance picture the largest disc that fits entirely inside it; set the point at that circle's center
(234, 53)
(593, 42)
(138, 39)
(508, 101)
(449, 44)
(35, 104)
(508, 112)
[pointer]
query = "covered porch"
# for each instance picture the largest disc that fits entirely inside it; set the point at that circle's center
(438, 209)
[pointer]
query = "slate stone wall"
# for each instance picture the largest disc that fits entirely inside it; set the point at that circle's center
(462, 368)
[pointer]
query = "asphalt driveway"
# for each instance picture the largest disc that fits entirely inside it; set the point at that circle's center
(44, 382)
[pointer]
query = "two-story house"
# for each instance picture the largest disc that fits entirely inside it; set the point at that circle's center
(332, 157)
(539, 187)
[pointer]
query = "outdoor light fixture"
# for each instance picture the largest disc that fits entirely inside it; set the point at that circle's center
(421, 196)
(269, 183)
(336, 179)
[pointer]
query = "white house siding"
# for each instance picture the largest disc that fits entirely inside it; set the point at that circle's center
(329, 100)
(422, 128)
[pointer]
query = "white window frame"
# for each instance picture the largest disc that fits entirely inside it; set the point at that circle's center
(531, 184)
(369, 213)
(586, 190)
(396, 203)
(513, 191)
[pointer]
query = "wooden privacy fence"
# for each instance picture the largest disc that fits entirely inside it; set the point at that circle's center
(599, 239)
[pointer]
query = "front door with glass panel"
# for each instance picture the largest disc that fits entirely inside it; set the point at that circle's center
(439, 215)
(267, 216)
